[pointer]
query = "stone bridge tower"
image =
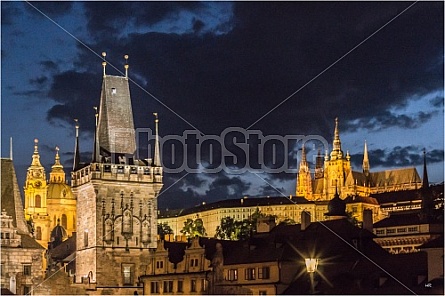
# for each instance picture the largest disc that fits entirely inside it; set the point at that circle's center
(116, 196)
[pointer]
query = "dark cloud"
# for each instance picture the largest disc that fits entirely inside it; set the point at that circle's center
(49, 65)
(53, 9)
(39, 81)
(437, 102)
(197, 25)
(399, 157)
(389, 119)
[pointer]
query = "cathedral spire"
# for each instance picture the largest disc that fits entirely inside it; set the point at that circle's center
(76, 148)
(425, 182)
(36, 156)
(157, 155)
(10, 148)
(57, 174)
(96, 145)
(336, 145)
(365, 165)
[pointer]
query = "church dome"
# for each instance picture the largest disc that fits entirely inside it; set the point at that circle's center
(336, 206)
(59, 191)
(58, 234)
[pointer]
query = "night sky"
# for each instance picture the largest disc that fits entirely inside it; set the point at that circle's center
(208, 66)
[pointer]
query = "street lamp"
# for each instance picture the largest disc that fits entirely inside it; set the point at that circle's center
(311, 267)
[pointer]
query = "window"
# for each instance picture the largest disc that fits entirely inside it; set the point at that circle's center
(113, 91)
(193, 286)
(232, 275)
(249, 274)
(38, 201)
(64, 221)
(117, 240)
(390, 231)
(154, 288)
(180, 286)
(380, 231)
(264, 272)
(262, 293)
(194, 262)
(27, 269)
(168, 286)
(401, 230)
(2, 270)
(127, 274)
(85, 238)
(39, 233)
(26, 290)
(204, 285)
(413, 229)
(159, 264)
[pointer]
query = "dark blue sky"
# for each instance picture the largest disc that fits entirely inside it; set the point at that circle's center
(377, 66)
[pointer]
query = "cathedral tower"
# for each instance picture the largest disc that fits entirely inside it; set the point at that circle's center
(116, 197)
(304, 183)
(35, 190)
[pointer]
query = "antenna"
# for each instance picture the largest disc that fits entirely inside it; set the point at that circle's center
(126, 65)
(104, 63)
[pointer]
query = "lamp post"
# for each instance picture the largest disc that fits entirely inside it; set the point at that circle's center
(311, 267)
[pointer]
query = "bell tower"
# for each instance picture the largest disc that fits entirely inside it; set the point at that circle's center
(35, 190)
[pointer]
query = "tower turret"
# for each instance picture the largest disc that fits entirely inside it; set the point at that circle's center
(365, 165)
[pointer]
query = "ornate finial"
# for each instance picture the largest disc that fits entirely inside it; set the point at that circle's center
(77, 126)
(126, 66)
(36, 148)
(104, 63)
(157, 155)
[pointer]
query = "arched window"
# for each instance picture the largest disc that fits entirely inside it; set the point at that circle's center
(39, 233)
(64, 221)
(38, 201)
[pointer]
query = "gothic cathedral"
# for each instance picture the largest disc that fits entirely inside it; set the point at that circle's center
(333, 173)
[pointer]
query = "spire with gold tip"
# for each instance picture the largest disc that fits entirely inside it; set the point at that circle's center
(157, 155)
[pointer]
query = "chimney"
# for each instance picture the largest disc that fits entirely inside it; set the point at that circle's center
(305, 219)
(367, 220)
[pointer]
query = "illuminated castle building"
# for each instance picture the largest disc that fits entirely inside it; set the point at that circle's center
(333, 172)
(116, 196)
(48, 202)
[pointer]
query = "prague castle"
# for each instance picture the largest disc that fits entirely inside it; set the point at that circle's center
(333, 172)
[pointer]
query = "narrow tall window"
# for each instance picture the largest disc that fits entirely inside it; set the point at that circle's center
(85, 238)
(38, 200)
(64, 221)
(39, 233)
(27, 269)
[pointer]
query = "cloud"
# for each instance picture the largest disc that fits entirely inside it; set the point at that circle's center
(399, 157)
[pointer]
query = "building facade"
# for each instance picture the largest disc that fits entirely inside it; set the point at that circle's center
(21, 254)
(116, 197)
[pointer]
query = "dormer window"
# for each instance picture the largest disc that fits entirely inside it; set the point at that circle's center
(113, 91)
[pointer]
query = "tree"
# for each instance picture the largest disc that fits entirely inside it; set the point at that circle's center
(193, 228)
(288, 221)
(226, 229)
(163, 229)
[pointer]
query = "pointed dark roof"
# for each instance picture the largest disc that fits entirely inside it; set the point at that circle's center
(11, 199)
(116, 132)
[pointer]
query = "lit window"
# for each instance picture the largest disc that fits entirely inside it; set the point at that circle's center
(204, 285)
(113, 91)
(38, 201)
(249, 274)
(232, 275)
(64, 221)
(127, 273)
(194, 262)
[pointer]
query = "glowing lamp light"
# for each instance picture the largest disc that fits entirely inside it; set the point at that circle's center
(311, 264)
